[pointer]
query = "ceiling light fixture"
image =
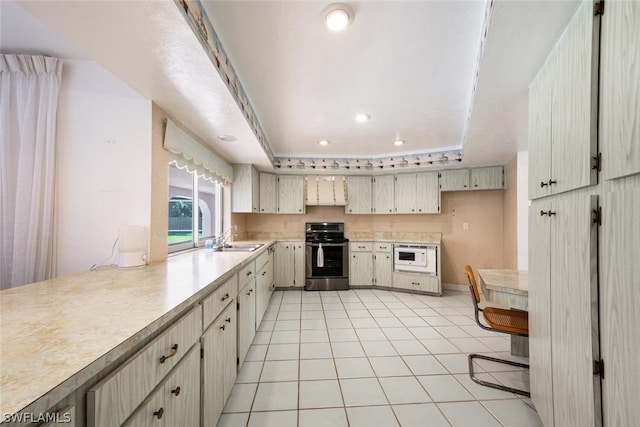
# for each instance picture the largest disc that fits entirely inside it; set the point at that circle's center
(323, 142)
(362, 117)
(338, 16)
(227, 138)
(398, 142)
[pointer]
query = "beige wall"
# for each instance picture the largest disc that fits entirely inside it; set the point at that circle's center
(510, 255)
(480, 246)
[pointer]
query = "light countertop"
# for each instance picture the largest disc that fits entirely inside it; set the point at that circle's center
(510, 281)
(58, 334)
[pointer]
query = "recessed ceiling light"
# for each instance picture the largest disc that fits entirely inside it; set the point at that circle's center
(398, 142)
(227, 138)
(323, 142)
(338, 16)
(362, 117)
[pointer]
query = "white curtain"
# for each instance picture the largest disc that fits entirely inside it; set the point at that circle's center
(29, 87)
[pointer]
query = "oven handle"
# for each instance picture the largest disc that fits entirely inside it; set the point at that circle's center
(327, 244)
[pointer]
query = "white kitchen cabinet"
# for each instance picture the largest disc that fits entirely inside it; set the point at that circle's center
(246, 310)
(489, 178)
(564, 308)
(383, 264)
(291, 194)
(359, 195)
(454, 180)
(417, 193)
(572, 81)
(218, 363)
(417, 282)
(290, 264)
(383, 187)
(177, 400)
(268, 193)
(264, 285)
(620, 89)
(245, 190)
(360, 264)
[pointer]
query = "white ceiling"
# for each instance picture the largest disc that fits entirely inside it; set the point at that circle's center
(410, 64)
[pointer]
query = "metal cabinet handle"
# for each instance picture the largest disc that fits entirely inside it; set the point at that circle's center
(176, 391)
(543, 184)
(222, 327)
(228, 320)
(174, 351)
(159, 413)
(249, 273)
(550, 213)
(413, 210)
(419, 210)
(552, 182)
(542, 213)
(415, 283)
(264, 272)
(225, 297)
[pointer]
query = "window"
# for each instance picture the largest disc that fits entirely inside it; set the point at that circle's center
(188, 226)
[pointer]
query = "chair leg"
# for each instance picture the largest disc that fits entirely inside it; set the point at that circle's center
(495, 385)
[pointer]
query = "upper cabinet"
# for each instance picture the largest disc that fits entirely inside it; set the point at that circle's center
(359, 195)
(620, 89)
(245, 191)
(563, 111)
(454, 180)
(417, 193)
(383, 187)
(487, 178)
(291, 194)
(268, 193)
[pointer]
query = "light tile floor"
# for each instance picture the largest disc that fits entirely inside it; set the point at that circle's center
(368, 358)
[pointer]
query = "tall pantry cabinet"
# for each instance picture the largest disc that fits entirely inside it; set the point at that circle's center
(584, 182)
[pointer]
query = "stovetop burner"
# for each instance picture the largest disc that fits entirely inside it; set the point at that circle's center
(325, 232)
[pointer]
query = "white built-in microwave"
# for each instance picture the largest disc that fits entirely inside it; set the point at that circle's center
(415, 258)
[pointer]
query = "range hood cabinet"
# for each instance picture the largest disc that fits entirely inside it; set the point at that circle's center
(326, 190)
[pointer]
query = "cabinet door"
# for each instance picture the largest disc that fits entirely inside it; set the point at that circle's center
(491, 178)
(268, 193)
(361, 269)
(285, 264)
(620, 89)
(299, 273)
(405, 193)
(150, 414)
(218, 364)
(264, 279)
(245, 189)
(575, 99)
(182, 392)
(359, 192)
(291, 195)
(417, 282)
(574, 311)
(246, 319)
(383, 268)
(540, 115)
(540, 310)
(383, 194)
(620, 300)
(454, 180)
(427, 195)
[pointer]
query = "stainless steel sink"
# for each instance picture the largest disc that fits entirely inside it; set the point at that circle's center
(241, 247)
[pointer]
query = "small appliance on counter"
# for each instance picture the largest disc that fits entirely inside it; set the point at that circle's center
(132, 246)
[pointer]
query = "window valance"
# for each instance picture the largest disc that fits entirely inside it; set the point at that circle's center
(189, 153)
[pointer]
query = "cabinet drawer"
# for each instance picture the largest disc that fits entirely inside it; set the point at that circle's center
(247, 273)
(383, 247)
(416, 282)
(262, 259)
(218, 300)
(113, 400)
(361, 246)
(176, 400)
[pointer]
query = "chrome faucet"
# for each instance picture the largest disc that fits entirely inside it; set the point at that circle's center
(221, 240)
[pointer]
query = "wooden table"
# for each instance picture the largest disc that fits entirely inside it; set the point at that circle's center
(508, 288)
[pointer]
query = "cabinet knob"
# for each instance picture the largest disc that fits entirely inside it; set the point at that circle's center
(176, 391)
(222, 327)
(413, 210)
(415, 283)
(543, 184)
(228, 320)
(419, 210)
(173, 352)
(159, 413)
(542, 213)
(264, 273)
(225, 297)
(249, 273)
(464, 186)
(551, 182)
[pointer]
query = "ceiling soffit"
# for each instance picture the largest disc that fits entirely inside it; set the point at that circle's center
(199, 22)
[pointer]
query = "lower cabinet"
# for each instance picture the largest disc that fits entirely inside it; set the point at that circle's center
(360, 264)
(264, 288)
(218, 364)
(176, 401)
(383, 264)
(417, 282)
(246, 319)
(289, 262)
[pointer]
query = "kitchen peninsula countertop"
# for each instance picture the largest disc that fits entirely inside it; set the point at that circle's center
(58, 334)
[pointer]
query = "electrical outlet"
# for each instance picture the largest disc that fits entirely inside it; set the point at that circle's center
(465, 226)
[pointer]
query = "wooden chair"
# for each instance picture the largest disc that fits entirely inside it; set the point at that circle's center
(513, 322)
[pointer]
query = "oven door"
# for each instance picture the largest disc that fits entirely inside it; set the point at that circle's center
(332, 262)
